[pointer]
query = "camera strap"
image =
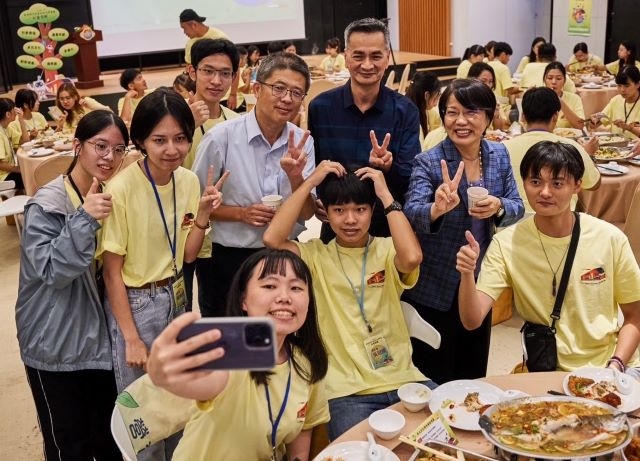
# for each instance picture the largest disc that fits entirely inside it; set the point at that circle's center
(566, 271)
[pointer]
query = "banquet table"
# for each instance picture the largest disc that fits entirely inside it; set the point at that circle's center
(612, 200)
(594, 100)
(531, 383)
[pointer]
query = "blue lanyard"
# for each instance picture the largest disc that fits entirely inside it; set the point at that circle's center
(172, 243)
(276, 423)
(359, 296)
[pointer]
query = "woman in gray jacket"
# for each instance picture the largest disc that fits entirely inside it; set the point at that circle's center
(62, 330)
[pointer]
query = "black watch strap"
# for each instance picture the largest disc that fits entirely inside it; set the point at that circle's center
(395, 206)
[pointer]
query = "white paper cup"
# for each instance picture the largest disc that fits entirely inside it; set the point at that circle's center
(475, 194)
(273, 201)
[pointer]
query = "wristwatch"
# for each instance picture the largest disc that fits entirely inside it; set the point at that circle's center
(395, 206)
(500, 212)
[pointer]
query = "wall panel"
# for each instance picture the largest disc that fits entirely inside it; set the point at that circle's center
(425, 26)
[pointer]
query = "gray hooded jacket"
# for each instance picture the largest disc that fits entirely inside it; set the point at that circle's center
(60, 320)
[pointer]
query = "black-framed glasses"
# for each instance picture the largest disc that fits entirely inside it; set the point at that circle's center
(209, 72)
(103, 148)
(279, 91)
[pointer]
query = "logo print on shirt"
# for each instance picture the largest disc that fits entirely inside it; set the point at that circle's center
(377, 279)
(302, 412)
(187, 221)
(596, 275)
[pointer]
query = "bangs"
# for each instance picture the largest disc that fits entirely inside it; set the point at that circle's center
(275, 263)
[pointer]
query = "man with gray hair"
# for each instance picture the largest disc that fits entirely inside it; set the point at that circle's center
(364, 123)
(266, 155)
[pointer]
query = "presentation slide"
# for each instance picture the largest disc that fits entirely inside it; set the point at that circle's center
(144, 26)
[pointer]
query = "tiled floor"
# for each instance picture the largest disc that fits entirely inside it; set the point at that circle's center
(18, 427)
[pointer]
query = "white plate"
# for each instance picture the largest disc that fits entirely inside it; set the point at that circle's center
(353, 451)
(608, 169)
(456, 391)
(568, 132)
(634, 160)
(590, 86)
(41, 152)
(629, 403)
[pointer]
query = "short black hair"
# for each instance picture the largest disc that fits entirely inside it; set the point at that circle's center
(26, 97)
(547, 52)
(6, 106)
(628, 74)
(127, 76)
(209, 46)
(333, 43)
(502, 47)
(540, 104)
(559, 157)
(472, 94)
(349, 188)
(581, 46)
(275, 47)
(478, 68)
(367, 26)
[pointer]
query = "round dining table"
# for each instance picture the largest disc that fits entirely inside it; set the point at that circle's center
(595, 99)
(531, 383)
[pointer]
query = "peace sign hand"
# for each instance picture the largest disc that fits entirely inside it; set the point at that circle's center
(295, 159)
(211, 195)
(446, 196)
(380, 157)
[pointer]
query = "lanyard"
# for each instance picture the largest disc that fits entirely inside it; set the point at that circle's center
(276, 423)
(358, 295)
(624, 104)
(75, 188)
(172, 243)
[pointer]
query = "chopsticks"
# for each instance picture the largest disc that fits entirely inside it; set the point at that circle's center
(431, 451)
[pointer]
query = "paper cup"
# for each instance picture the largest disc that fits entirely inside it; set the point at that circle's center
(475, 194)
(273, 201)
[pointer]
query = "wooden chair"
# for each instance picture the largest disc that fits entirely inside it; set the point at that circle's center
(317, 87)
(391, 80)
(50, 169)
(404, 79)
(631, 226)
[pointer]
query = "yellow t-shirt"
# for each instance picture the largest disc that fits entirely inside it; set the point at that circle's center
(605, 274)
(503, 78)
(519, 146)
(37, 121)
(134, 102)
(433, 122)
(614, 67)
(342, 325)
(330, 64)
(135, 229)
(616, 110)
(522, 64)
(89, 105)
(575, 65)
(433, 138)
(212, 33)
(463, 69)
(236, 426)
(533, 76)
(575, 104)
(6, 153)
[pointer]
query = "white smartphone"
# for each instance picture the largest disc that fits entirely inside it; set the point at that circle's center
(249, 342)
(55, 113)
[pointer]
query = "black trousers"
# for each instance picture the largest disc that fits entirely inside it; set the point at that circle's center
(463, 354)
(202, 269)
(74, 412)
(225, 262)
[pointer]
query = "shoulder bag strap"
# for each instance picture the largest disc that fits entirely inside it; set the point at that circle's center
(564, 281)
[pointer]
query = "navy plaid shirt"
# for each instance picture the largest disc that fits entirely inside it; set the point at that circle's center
(441, 240)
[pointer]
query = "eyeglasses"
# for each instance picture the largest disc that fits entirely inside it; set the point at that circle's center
(102, 148)
(468, 115)
(224, 74)
(279, 91)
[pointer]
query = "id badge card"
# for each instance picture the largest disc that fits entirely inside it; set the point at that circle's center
(179, 293)
(378, 352)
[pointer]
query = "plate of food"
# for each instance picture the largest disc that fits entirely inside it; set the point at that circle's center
(634, 160)
(612, 140)
(608, 153)
(599, 384)
(353, 451)
(556, 427)
(41, 152)
(462, 401)
(568, 132)
(496, 135)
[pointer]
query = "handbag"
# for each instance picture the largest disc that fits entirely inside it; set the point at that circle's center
(539, 341)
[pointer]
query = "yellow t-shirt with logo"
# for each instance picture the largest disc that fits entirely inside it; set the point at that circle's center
(343, 328)
(37, 122)
(135, 228)
(604, 274)
(236, 426)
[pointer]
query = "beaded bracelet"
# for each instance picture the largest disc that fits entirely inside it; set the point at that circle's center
(618, 361)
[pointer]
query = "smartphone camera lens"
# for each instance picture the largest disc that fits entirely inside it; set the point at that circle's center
(258, 335)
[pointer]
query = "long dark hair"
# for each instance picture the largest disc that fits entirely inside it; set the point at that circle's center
(307, 339)
(631, 59)
(473, 50)
(532, 54)
(73, 92)
(423, 82)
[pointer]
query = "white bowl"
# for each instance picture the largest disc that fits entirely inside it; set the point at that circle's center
(386, 424)
(591, 79)
(414, 396)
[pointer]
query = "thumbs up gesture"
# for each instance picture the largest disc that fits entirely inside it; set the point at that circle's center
(97, 203)
(467, 257)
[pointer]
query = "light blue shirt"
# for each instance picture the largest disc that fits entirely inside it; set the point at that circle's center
(239, 146)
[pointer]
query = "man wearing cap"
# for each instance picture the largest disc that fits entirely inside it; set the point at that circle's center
(194, 27)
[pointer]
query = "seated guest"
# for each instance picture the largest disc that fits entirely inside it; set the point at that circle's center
(533, 74)
(627, 56)
(424, 92)
(473, 54)
(276, 46)
(358, 282)
(73, 107)
(533, 55)
(541, 108)
(335, 61)
(488, 49)
(528, 258)
(29, 122)
(133, 82)
(289, 47)
(244, 81)
(485, 73)
(582, 59)
(267, 155)
(502, 52)
(622, 113)
(9, 168)
(572, 112)
(252, 415)
(184, 86)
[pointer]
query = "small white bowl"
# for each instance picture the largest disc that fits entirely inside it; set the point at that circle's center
(386, 424)
(414, 396)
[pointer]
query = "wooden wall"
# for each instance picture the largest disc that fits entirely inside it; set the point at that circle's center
(425, 26)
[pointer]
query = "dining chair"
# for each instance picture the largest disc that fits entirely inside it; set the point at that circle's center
(121, 436)
(418, 327)
(14, 206)
(7, 189)
(391, 79)
(632, 224)
(404, 79)
(317, 87)
(50, 169)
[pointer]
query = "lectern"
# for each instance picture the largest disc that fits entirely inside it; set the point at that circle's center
(86, 60)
